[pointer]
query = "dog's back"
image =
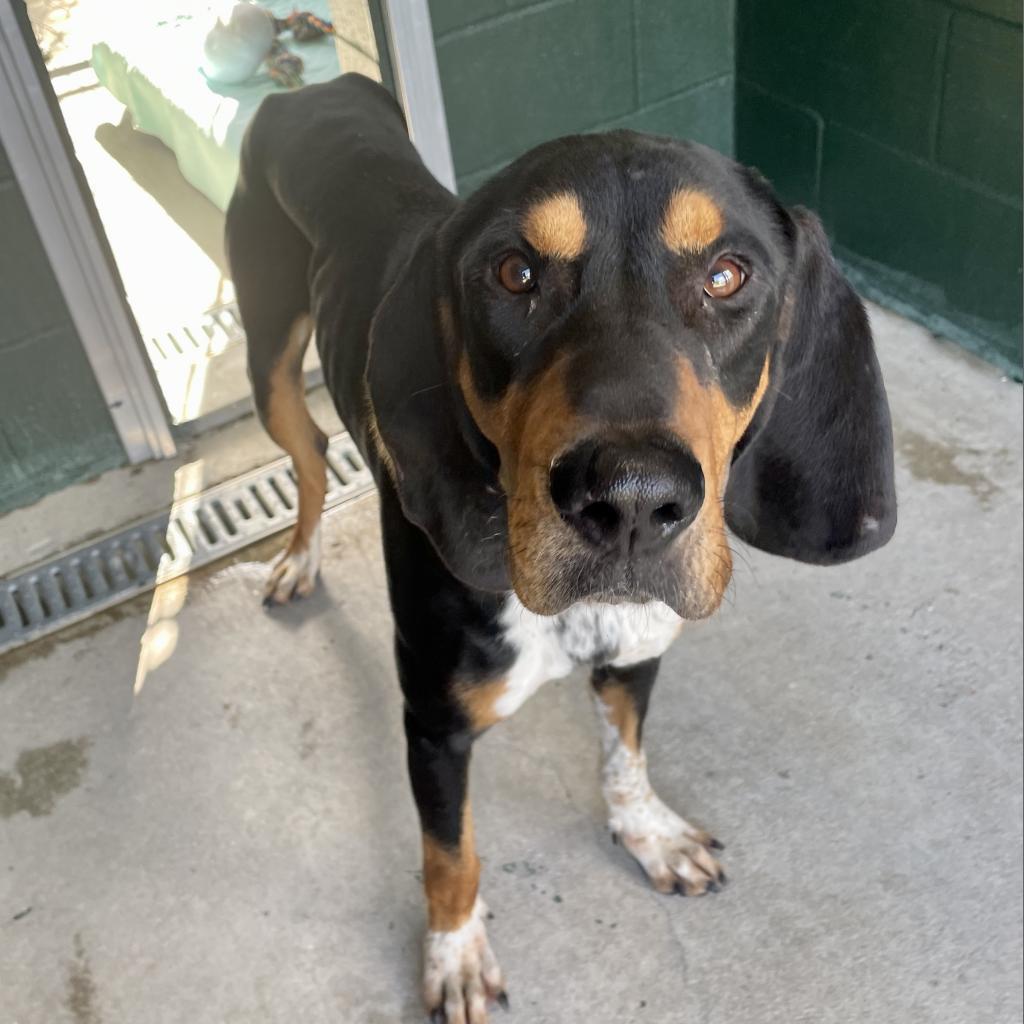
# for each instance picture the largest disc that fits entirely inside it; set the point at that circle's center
(329, 188)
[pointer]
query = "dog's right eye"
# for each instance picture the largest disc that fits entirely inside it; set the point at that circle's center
(725, 278)
(515, 274)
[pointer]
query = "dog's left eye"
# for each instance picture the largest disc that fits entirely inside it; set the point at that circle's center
(515, 274)
(725, 278)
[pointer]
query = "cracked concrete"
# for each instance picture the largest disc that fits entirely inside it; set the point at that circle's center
(239, 845)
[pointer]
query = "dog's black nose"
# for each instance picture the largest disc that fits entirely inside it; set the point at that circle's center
(635, 497)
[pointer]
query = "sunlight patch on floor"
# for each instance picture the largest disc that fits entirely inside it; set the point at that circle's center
(161, 635)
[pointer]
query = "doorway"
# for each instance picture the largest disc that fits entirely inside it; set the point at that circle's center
(155, 99)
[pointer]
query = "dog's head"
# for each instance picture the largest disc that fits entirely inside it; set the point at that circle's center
(612, 350)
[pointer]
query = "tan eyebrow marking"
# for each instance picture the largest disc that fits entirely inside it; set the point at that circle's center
(692, 221)
(556, 227)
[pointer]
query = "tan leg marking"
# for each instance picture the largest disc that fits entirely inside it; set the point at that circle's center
(673, 853)
(620, 712)
(692, 221)
(480, 702)
(460, 971)
(451, 877)
(289, 423)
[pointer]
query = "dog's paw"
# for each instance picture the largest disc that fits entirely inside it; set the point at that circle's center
(675, 855)
(295, 571)
(461, 973)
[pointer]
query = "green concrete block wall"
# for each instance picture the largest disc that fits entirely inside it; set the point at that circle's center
(901, 124)
(54, 425)
(516, 73)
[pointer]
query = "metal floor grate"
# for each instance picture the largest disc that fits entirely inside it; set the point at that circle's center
(210, 334)
(194, 532)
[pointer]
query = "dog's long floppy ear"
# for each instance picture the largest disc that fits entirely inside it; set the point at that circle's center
(442, 487)
(813, 477)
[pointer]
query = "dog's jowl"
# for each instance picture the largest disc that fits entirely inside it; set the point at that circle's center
(569, 387)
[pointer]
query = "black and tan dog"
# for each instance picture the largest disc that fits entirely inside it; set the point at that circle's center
(567, 387)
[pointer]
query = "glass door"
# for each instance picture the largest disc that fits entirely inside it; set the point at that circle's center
(155, 98)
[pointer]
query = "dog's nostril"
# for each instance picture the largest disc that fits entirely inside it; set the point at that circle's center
(599, 520)
(668, 515)
(565, 485)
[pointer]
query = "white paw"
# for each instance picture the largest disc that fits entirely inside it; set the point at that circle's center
(294, 573)
(674, 854)
(460, 973)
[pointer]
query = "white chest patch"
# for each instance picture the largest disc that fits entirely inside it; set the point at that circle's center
(551, 646)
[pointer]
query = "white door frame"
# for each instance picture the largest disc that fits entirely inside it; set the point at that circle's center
(418, 83)
(42, 164)
(72, 238)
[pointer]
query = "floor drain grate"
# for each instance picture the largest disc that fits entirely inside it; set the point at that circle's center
(212, 333)
(194, 532)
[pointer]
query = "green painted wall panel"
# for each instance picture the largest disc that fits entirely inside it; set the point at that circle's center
(703, 113)
(866, 64)
(922, 221)
(706, 113)
(510, 84)
(901, 123)
(782, 140)
(1006, 10)
(449, 15)
(681, 43)
(54, 424)
(516, 73)
(30, 306)
(980, 123)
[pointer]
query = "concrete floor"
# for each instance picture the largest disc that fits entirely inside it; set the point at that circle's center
(235, 841)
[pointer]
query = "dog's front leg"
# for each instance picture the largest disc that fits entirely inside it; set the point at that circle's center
(674, 854)
(460, 971)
